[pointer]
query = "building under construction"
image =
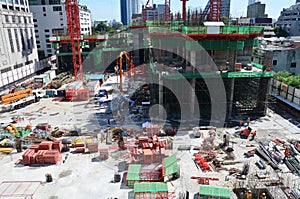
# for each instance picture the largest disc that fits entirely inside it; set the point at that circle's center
(214, 58)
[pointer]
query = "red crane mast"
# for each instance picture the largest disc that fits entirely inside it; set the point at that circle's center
(73, 20)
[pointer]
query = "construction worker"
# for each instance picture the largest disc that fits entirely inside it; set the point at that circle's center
(263, 196)
(248, 194)
(241, 123)
(248, 121)
(286, 153)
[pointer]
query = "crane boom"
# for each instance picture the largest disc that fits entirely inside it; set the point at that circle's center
(73, 19)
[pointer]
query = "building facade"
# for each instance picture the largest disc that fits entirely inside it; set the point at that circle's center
(18, 52)
(256, 10)
(128, 8)
(225, 8)
(289, 19)
(50, 19)
(156, 14)
(280, 54)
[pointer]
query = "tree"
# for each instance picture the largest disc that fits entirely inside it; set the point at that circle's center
(280, 32)
(225, 20)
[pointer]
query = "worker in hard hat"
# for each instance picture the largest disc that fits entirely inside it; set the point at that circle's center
(248, 194)
(286, 153)
(241, 123)
(263, 196)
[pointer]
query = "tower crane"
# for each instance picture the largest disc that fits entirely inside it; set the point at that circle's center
(73, 21)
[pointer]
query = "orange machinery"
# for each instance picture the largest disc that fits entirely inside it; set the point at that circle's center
(7, 99)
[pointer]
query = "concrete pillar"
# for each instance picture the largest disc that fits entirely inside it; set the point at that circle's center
(192, 100)
(160, 94)
(231, 95)
(193, 58)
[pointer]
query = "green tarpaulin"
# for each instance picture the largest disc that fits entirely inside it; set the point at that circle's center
(170, 165)
(217, 192)
(150, 187)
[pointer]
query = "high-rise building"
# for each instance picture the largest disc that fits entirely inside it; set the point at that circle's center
(50, 19)
(288, 19)
(225, 8)
(252, 1)
(256, 10)
(18, 52)
(128, 8)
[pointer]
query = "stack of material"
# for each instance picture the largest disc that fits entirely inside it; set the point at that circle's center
(103, 153)
(26, 156)
(44, 153)
(148, 156)
(136, 155)
(92, 147)
(80, 147)
(152, 130)
(45, 145)
(57, 145)
(40, 157)
(35, 147)
(52, 157)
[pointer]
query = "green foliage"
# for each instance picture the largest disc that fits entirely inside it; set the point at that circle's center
(280, 32)
(288, 78)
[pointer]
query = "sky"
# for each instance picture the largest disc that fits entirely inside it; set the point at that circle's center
(110, 9)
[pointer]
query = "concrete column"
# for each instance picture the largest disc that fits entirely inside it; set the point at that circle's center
(193, 56)
(231, 95)
(160, 94)
(193, 100)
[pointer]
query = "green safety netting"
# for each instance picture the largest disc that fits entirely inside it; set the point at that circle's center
(153, 187)
(217, 192)
(228, 75)
(256, 65)
(170, 165)
(134, 171)
(242, 30)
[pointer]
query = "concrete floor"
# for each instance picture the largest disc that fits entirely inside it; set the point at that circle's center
(80, 177)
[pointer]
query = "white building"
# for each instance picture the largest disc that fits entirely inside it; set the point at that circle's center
(18, 52)
(50, 19)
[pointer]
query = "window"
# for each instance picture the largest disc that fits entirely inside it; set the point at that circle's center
(293, 65)
(44, 9)
(35, 25)
(274, 62)
(12, 48)
(57, 8)
(25, 20)
(38, 42)
(47, 36)
(49, 51)
(43, 2)
(46, 30)
(54, 2)
(7, 18)
(19, 19)
(34, 20)
(6, 70)
(36, 31)
(38, 46)
(17, 40)
(45, 14)
(48, 46)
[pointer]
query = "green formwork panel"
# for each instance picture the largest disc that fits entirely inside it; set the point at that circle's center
(55, 45)
(229, 30)
(255, 42)
(194, 30)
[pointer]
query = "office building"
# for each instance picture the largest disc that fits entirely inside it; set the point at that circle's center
(289, 19)
(225, 8)
(18, 52)
(129, 8)
(50, 19)
(256, 10)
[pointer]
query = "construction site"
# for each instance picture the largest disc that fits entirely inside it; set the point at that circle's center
(171, 108)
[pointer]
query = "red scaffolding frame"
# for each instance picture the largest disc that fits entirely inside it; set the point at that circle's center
(19, 188)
